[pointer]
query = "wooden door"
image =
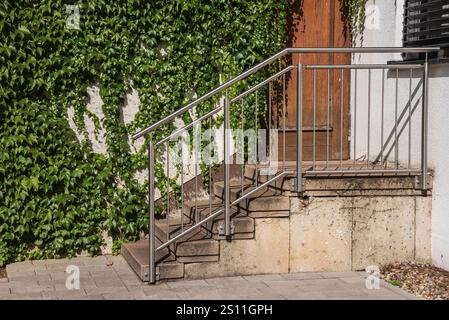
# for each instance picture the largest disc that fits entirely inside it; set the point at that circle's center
(317, 24)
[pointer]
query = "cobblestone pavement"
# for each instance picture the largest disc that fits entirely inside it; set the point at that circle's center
(110, 277)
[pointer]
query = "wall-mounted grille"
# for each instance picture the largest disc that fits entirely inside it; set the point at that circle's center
(426, 23)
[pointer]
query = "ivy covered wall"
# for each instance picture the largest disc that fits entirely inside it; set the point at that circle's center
(57, 195)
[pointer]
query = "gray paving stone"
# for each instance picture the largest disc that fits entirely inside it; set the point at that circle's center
(283, 283)
(229, 293)
(105, 274)
(30, 279)
(323, 284)
(61, 286)
(296, 294)
(339, 293)
(63, 294)
(5, 290)
(156, 287)
(105, 290)
(162, 292)
(60, 267)
(20, 273)
(368, 298)
(288, 293)
(301, 276)
(266, 277)
(121, 268)
(132, 288)
(27, 269)
(131, 282)
(96, 261)
(25, 262)
(330, 275)
(262, 297)
(23, 296)
(42, 271)
(354, 280)
(199, 295)
(113, 282)
(48, 262)
(235, 283)
(19, 289)
(186, 284)
(23, 282)
(129, 277)
(125, 296)
(110, 277)
(59, 276)
(24, 265)
(84, 297)
(115, 259)
(162, 296)
(95, 268)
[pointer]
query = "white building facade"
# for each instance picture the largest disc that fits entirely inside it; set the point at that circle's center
(384, 28)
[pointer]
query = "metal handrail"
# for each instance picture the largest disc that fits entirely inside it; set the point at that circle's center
(278, 55)
(299, 128)
(188, 126)
(365, 66)
(261, 84)
(212, 216)
(218, 109)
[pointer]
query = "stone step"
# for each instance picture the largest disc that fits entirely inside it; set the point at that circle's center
(176, 224)
(137, 256)
(263, 173)
(235, 187)
(204, 208)
(236, 191)
(198, 251)
(243, 228)
(266, 202)
(275, 206)
(161, 228)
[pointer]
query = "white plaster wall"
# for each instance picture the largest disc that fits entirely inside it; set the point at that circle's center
(96, 136)
(383, 34)
(389, 33)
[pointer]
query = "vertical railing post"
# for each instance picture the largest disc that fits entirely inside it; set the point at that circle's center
(299, 185)
(151, 199)
(424, 131)
(227, 151)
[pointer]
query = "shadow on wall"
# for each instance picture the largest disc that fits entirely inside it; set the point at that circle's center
(404, 118)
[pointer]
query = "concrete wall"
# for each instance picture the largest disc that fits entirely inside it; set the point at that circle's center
(387, 31)
(334, 233)
(352, 233)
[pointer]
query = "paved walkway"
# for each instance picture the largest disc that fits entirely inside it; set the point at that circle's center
(110, 277)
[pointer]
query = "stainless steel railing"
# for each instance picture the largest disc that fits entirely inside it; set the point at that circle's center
(378, 165)
(301, 169)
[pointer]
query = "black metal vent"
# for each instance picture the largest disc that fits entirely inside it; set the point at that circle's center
(426, 23)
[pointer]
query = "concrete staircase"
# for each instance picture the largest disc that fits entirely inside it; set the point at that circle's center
(203, 245)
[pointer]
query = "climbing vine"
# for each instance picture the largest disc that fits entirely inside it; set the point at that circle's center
(57, 196)
(353, 11)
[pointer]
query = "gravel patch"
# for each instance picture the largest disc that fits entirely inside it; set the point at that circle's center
(423, 280)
